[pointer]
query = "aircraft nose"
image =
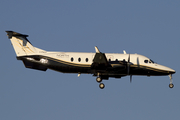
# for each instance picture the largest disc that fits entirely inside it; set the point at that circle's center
(167, 69)
(170, 71)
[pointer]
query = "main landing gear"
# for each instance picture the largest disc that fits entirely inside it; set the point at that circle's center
(99, 80)
(171, 85)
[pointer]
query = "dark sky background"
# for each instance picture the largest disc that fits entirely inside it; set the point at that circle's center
(150, 28)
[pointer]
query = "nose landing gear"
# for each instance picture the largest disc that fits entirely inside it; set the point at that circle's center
(171, 85)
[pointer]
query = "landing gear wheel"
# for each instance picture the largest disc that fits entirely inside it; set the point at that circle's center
(99, 79)
(101, 85)
(171, 85)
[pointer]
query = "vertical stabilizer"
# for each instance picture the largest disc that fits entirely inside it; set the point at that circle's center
(21, 44)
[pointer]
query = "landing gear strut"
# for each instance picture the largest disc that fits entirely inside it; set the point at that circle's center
(171, 84)
(99, 80)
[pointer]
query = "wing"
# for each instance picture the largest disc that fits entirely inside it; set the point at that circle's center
(100, 61)
(104, 68)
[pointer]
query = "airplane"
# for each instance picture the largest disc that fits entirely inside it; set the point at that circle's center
(101, 65)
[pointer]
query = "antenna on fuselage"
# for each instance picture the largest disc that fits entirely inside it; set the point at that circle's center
(96, 49)
(124, 51)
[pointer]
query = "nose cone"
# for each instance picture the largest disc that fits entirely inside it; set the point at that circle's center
(167, 69)
(172, 71)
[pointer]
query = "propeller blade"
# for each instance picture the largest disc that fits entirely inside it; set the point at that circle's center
(128, 65)
(138, 61)
(130, 78)
(128, 69)
(129, 58)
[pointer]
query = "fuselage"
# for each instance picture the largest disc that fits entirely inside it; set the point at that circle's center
(80, 62)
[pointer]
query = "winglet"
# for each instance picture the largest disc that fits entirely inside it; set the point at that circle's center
(97, 50)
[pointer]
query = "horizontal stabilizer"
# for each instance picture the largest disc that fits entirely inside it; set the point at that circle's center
(10, 34)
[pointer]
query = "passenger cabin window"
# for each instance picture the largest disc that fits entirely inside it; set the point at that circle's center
(72, 59)
(86, 59)
(79, 59)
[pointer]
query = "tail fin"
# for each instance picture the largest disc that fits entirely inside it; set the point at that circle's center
(21, 44)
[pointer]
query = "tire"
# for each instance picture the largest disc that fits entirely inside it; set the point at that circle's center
(101, 85)
(171, 85)
(99, 79)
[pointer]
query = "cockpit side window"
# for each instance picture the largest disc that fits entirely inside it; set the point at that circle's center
(145, 61)
(149, 61)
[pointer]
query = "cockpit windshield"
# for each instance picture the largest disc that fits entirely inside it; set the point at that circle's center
(151, 61)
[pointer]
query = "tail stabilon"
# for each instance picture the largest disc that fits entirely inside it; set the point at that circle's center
(25, 51)
(21, 44)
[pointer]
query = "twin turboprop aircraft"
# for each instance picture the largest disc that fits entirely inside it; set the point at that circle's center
(102, 65)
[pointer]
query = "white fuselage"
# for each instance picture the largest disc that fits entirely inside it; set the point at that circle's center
(86, 59)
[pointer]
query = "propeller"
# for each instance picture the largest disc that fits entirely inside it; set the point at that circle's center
(130, 78)
(128, 64)
(128, 68)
